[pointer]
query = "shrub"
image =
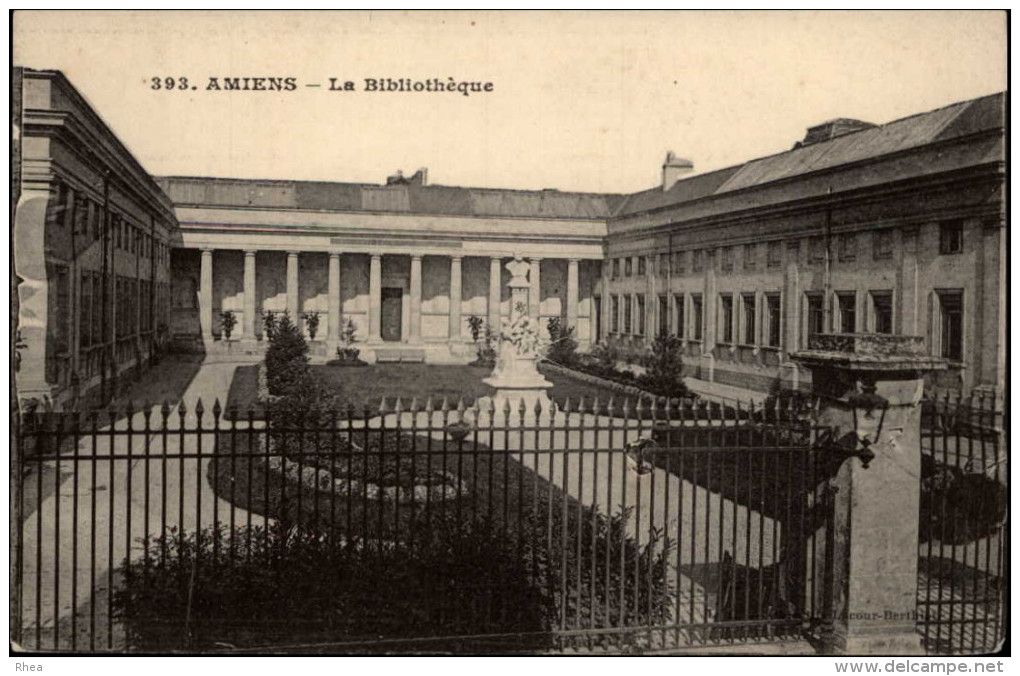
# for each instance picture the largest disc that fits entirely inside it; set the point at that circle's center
(286, 358)
(312, 322)
(563, 346)
(269, 324)
(254, 586)
(228, 320)
(485, 352)
(665, 368)
(605, 355)
(475, 323)
(346, 352)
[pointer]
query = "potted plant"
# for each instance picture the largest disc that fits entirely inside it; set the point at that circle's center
(347, 354)
(311, 323)
(475, 324)
(228, 320)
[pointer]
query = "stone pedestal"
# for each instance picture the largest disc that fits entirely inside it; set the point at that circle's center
(870, 389)
(516, 377)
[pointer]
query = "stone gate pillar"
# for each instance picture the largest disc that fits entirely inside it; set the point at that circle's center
(870, 387)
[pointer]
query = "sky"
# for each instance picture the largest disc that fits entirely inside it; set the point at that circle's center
(586, 101)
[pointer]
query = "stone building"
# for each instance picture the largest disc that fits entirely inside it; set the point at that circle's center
(92, 234)
(897, 228)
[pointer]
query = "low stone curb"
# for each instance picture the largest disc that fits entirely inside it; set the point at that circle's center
(605, 383)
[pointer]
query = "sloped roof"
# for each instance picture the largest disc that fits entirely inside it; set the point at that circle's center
(414, 199)
(953, 121)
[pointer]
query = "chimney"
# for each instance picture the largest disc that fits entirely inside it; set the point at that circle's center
(673, 169)
(419, 177)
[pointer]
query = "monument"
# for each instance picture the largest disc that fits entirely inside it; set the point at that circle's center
(516, 377)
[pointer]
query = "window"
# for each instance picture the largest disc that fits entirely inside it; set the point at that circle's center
(98, 336)
(727, 258)
(881, 306)
(882, 244)
(775, 254)
(815, 315)
(726, 318)
(628, 266)
(679, 260)
(639, 330)
(614, 311)
(847, 246)
(750, 256)
(678, 308)
(663, 315)
(773, 320)
(950, 306)
(85, 312)
(662, 265)
(816, 249)
(749, 302)
(641, 269)
(698, 260)
(64, 316)
(847, 311)
(628, 313)
(616, 268)
(951, 237)
(697, 315)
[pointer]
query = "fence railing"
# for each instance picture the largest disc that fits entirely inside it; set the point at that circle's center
(963, 539)
(429, 526)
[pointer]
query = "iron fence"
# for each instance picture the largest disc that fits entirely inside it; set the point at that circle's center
(638, 526)
(962, 587)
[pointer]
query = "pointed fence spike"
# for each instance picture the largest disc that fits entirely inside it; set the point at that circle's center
(595, 405)
(398, 407)
(566, 405)
(165, 408)
(146, 407)
(445, 405)
(429, 407)
(611, 405)
(460, 405)
(414, 405)
(626, 406)
(199, 407)
(182, 410)
(382, 406)
(129, 408)
(216, 408)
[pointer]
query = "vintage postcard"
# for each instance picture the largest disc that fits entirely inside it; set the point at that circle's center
(514, 333)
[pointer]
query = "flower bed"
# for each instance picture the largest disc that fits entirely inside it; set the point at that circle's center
(598, 381)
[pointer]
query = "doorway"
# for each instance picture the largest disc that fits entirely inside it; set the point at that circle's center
(392, 311)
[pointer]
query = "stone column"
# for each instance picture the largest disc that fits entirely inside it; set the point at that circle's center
(248, 327)
(333, 329)
(991, 332)
(292, 287)
(870, 388)
(455, 299)
(572, 293)
(709, 305)
(908, 282)
(414, 331)
(205, 295)
(535, 292)
(790, 313)
(375, 299)
(495, 292)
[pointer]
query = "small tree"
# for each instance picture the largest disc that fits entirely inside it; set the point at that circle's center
(475, 323)
(286, 358)
(312, 323)
(347, 352)
(665, 368)
(228, 320)
(563, 346)
(269, 323)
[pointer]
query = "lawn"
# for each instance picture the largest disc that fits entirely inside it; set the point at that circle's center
(368, 385)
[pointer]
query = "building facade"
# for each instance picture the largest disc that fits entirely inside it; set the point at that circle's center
(897, 228)
(92, 235)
